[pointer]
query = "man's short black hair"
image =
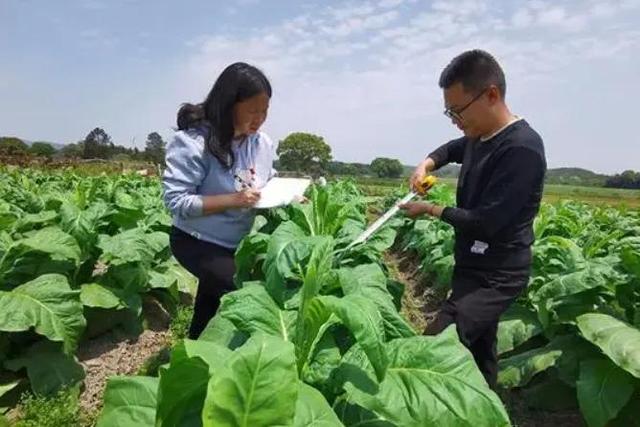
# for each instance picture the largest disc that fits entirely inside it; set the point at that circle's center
(476, 70)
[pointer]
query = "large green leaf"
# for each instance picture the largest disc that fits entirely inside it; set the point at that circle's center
(46, 304)
(252, 310)
(6, 388)
(325, 357)
(9, 214)
(311, 328)
(556, 255)
(288, 248)
(363, 319)
(48, 368)
(603, 390)
(328, 211)
(313, 319)
(563, 352)
(33, 221)
(52, 241)
(222, 331)
(354, 415)
(630, 254)
(183, 384)
(618, 340)
(572, 283)
(83, 224)
(100, 296)
(187, 282)
(370, 281)
(518, 370)
(516, 327)
(133, 245)
(131, 276)
(49, 250)
(382, 239)
(258, 386)
(629, 416)
(432, 381)
(126, 212)
(312, 410)
(129, 402)
(249, 256)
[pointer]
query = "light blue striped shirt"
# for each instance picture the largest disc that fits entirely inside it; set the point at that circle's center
(193, 172)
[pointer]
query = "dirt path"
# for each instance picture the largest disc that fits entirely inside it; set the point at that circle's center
(113, 354)
(420, 304)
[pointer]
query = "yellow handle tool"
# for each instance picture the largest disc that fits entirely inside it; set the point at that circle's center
(425, 185)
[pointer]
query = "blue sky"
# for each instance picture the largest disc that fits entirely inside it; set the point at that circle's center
(361, 74)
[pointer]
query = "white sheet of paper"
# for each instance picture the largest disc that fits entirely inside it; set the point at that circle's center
(281, 191)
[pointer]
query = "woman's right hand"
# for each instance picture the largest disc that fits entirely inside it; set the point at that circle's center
(247, 198)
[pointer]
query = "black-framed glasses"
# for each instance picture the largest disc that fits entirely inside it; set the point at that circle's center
(456, 114)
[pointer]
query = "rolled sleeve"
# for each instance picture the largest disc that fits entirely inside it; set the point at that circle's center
(184, 173)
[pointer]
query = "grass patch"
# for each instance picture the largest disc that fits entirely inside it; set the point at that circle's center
(180, 323)
(61, 409)
(616, 197)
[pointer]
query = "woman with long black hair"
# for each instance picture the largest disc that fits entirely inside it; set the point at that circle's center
(216, 164)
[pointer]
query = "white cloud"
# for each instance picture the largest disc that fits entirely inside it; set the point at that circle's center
(364, 74)
(93, 38)
(555, 15)
(389, 4)
(464, 7)
(522, 18)
(369, 76)
(360, 24)
(96, 5)
(350, 11)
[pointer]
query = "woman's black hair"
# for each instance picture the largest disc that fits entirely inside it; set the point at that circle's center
(237, 83)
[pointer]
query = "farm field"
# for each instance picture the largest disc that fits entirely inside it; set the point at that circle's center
(315, 334)
(616, 197)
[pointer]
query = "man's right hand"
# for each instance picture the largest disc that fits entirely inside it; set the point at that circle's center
(247, 198)
(417, 178)
(419, 174)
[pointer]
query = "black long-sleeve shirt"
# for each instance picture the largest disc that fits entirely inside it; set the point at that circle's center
(498, 196)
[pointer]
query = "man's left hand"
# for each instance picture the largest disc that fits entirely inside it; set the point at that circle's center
(415, 209)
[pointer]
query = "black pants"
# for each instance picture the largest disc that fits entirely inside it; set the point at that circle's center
(477, 301)
(214, 267)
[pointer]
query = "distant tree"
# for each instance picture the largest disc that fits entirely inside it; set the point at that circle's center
(12, 146)
(155, 148)
(627, 179)
(350, 169)
(72, 150)
(97, 145)
(43, 149)
(304, 152)
(136, 154)
(387, 168)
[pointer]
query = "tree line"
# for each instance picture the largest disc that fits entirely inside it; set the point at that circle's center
(299, 152)
(626, 179)
(96, 145)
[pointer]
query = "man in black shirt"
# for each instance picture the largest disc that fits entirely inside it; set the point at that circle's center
(498, 196)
